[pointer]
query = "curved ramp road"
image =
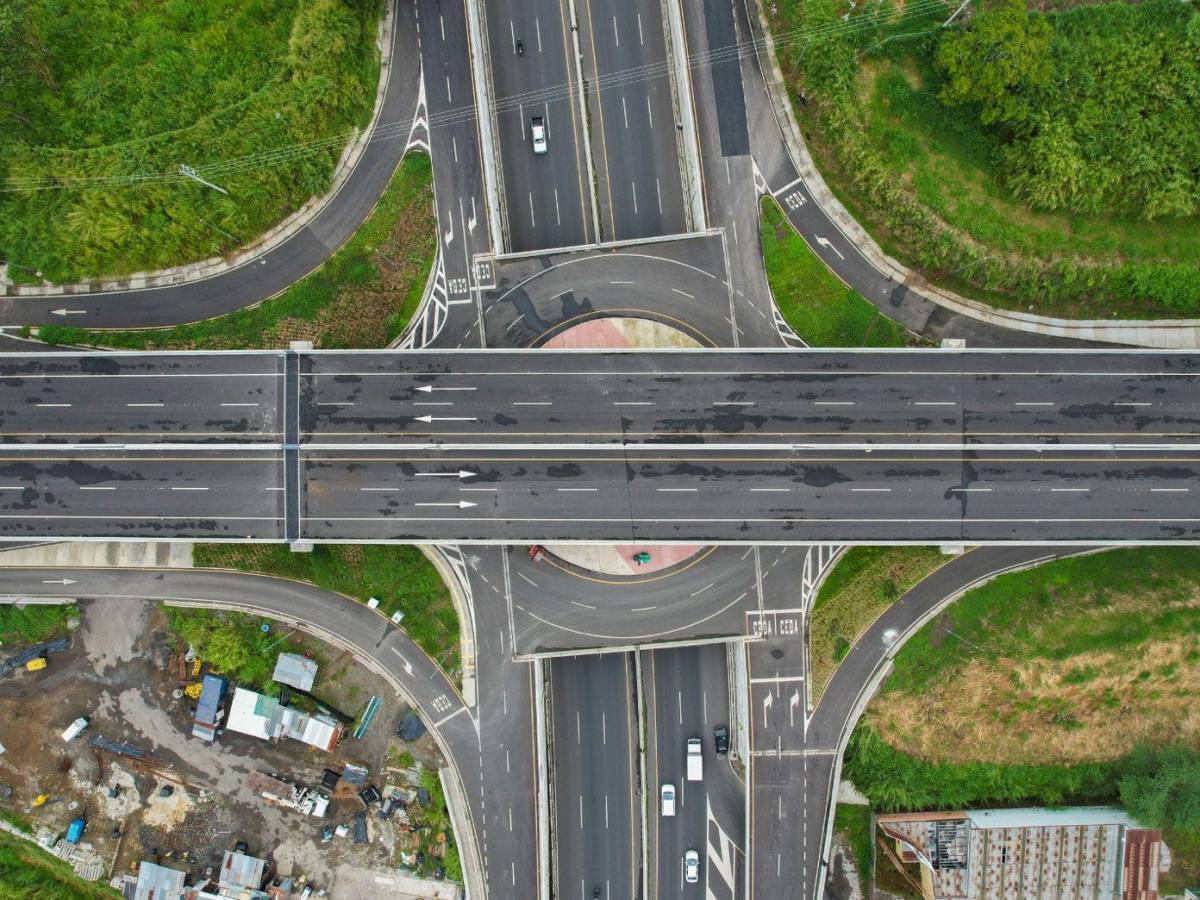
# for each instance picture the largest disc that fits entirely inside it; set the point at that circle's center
(272, 272)
(725, 447)
(374, 640)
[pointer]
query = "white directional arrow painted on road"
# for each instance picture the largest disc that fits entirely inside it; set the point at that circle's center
(429, 420)
(63, 311)
(767, 701)
(60, 581)
(429, 389)
(824, 242)
(408, 669)
(461, 504)
(450, 231)
(792, 707)
(461, 473)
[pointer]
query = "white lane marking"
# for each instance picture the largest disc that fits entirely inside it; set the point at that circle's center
(640, 40)
(532, 217)
(685, 293)
(935, 403)
(96, 488)
(1069, 490)
(581, 812)
(444, 719)
(1033, 403)
(676, 490)
(658, 194)
(490, 490)
(633, 403)
(703, 589)
(603, 727)
(379, 489)
(239, 404)
(616, 36)
(449, 93)
(972, 490)
(557, 211)
(577, 490)
(733, 403)
(47, 405)
(633, 185)
(533, 403)
(525, 577)
(537, 27)
(145, 404)
(189, 489)
(871, 490)
(649, 110)
(512, 29)
(624, 111)
(1131, 403)
(1169, 490)
(770, 490)
(582, 605)
(642, 608)
(833, 402)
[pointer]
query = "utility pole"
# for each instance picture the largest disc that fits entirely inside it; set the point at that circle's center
(189, 172)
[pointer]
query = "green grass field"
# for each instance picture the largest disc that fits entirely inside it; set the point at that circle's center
(863, 583)
(818, 307)
(260, 96)
(33, 624)
(29, 873)
(363, 296)
(400, 576)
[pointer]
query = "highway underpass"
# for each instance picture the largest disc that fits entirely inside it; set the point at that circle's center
(712, 446)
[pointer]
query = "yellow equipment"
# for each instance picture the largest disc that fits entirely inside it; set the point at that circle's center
(193, 690)
(196, 664)
(35, 664)
(41, 800)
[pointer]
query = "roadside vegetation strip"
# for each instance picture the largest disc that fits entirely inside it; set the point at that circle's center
(233, 644)
(34, 623)
(30, 873)
(818, 307)
(1007, 186)
(399, 576)
(853, 822)
(861, 586)
(109, 91)
(363, 296)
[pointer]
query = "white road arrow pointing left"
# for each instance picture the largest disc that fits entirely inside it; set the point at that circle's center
(429, 389)
(63, 311)
(429, 420)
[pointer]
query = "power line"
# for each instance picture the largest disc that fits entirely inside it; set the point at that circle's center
(455, 115)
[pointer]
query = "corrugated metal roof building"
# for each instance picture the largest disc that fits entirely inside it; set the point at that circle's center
(208, 708)
(263, 717)
(295, 670)
(155, 882)
(1085, 853)
(241, 872)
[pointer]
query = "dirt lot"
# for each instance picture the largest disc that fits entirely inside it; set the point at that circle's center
(115, 673)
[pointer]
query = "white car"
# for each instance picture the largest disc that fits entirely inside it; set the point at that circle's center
(538, 130)
(668, 799)
(691, 867)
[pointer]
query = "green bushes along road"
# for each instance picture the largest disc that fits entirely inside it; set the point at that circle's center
(107, 90)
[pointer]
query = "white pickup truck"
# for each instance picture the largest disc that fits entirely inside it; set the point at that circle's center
(695, 760)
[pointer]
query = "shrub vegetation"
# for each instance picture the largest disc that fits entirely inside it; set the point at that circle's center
(1046, 161)
(259, 96)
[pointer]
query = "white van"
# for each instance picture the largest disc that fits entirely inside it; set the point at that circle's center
(668, 799)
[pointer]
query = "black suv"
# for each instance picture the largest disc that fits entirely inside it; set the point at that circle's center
(721, 739)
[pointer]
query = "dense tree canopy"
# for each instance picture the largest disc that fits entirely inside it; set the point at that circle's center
(1098, 107)
(1161, 789)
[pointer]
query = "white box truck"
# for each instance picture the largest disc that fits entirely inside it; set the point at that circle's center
(75, 729)
(695, 760)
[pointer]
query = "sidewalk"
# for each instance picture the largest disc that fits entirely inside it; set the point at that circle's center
(114, 554)
(618, 559)
(1163, 334)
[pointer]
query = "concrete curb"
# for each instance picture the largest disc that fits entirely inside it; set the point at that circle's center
(543, 770)
(1163, 334)
(261, 245)
(471, 861)
(460, 596)
(685, 114)
(489, 135)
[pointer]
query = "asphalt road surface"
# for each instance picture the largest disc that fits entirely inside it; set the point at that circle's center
(737, 447)
(597, 830)
(632, 119)
(687, 695)
(547, 195)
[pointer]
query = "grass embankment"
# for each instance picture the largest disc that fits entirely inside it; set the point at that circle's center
(818, 307)
(30, 873)
(853, 823)
(1039, 687)
(363, 296)
(260, 97)
(863, 583)
(34, 624)
(401, 577)
(1068, 202)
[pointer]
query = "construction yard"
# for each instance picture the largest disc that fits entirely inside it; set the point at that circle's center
(154, 792)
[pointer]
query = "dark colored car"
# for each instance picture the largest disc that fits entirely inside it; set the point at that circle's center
(721, 739)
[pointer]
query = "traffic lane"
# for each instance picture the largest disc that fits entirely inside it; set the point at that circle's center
(197, 493)
(546, 194)
(555, 610)
(99, 397)
(595, 780)
(705, 494)
(788, 799)
(691, 698)
(636, 121)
